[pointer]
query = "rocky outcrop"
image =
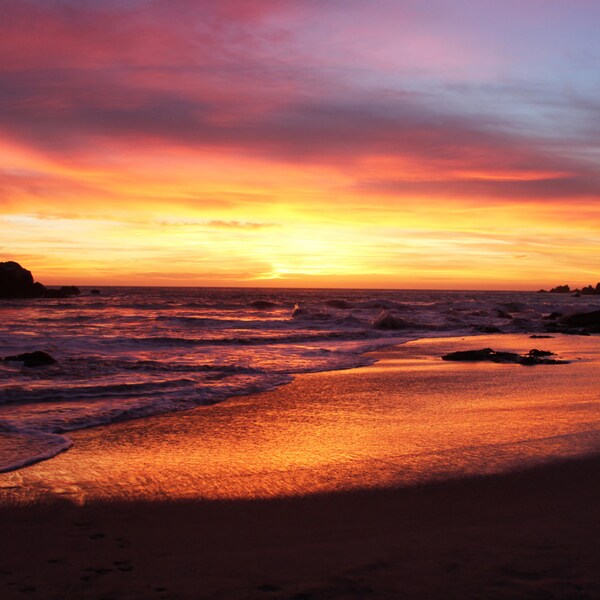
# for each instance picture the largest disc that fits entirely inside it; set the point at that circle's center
(64, 292)
(533, 357)
(560, 289)
(32, 359)
(588, 290)
(17, 282)
(589, 320)
(339, 304)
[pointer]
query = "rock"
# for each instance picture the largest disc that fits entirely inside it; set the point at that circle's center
(479, 355)
(560, 289)
(538, 353)
(552, 316)
(533, 357)
(263, 304)
(65, 291)
(540, 337)
(95, 292)
(388, 321)
(588, 290)
(32, 359)
(17, 282)
(341, 304)
(589, 320)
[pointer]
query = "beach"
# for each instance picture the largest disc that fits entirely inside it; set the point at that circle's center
(527, 535)
(340, 510)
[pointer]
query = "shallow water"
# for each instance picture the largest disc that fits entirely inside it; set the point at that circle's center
(134, 352)
(407, 419)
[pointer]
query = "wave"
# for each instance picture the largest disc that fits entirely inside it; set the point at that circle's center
(26, 437)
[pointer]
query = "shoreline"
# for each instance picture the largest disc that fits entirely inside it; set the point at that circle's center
(26, 462)
(22, 463)
(151, 508)
(408, 418)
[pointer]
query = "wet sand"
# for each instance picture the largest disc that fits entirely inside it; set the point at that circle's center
(123, 527)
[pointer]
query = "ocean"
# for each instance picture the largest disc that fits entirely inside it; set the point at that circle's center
(129, 353)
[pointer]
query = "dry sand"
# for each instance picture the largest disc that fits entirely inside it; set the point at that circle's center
(530, 534)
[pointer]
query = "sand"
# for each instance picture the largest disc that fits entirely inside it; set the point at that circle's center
(534, 533)
(529, 535)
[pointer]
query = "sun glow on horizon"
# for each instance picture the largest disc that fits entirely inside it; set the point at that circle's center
(205, 144)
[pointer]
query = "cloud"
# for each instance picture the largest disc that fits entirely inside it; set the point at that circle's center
(83, 82)
(548, 189)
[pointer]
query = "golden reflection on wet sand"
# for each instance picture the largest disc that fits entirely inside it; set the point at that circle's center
(409, 418)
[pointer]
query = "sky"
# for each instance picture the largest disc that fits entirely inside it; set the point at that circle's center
(437, 144)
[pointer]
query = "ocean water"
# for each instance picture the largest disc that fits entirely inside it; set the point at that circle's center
(134, 352)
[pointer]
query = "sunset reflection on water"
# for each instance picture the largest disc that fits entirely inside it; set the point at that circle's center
(409, 418)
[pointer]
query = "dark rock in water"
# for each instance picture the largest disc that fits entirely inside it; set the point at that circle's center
(95, 292)
(388, 321)
(32, 359)
(538, 353)
(17, 282)
(540, 337)
(590, 320)
(552, 316)
(560, 289)
(533, 357)
(483, 354)
(341, 304)
(66, 291)
(589, 290)
(262, 304)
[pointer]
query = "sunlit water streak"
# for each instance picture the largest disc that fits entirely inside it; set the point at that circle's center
(408, 419)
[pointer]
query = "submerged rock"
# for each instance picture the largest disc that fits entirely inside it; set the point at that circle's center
(552, 316)
(32, 359)
(533, 357)
(341, 304)
(388, 321)
(589, 320)
(262, 304)
(66, 291)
